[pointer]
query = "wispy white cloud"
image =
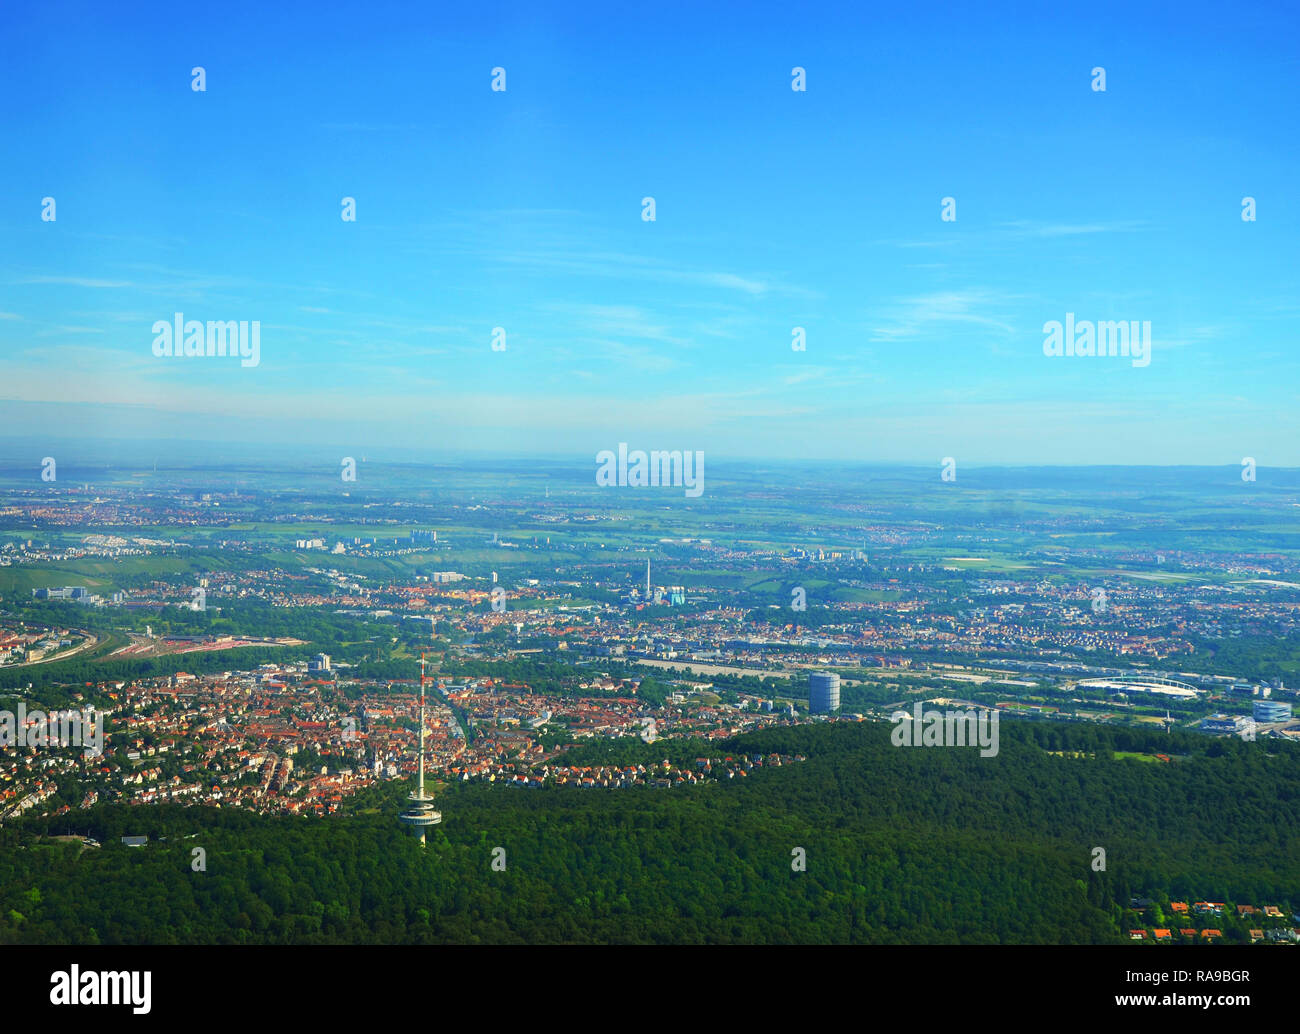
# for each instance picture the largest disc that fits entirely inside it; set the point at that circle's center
(812, 373)
(618, 321)
(615, 265)
(1020, 229)
(630, 356)
(925, 313)
(77, 281)
(1026, 228)
(370, 127)
(1188, 337)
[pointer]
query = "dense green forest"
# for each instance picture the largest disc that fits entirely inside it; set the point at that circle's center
(902, 845)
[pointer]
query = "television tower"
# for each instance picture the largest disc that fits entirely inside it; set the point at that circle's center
(647, 578)
(421, 814)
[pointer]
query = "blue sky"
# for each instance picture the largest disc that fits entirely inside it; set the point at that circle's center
(775, 209)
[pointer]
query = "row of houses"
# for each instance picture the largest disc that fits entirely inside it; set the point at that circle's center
(1161, 935)
(1215, 908)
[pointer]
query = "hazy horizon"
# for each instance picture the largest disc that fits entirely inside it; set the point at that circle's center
(20, 455)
